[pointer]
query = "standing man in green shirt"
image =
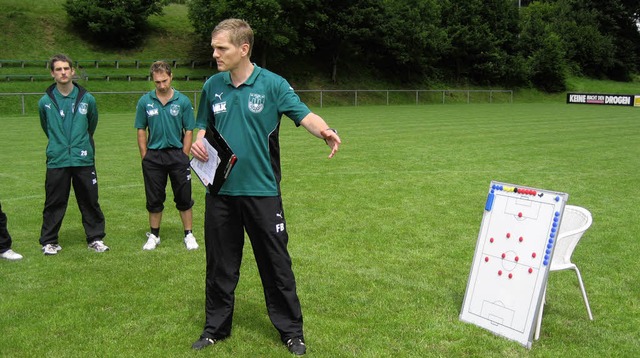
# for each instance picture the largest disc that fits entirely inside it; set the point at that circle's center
(69, 116)
(245, 104)
(168, 116)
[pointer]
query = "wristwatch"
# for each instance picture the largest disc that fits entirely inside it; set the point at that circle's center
(328, 129)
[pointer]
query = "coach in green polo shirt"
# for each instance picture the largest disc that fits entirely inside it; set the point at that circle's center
(245, 104)
(165, 122)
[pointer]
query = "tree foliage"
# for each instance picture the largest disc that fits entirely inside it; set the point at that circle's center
(118, 23)
(276, 32)
(410, 53)
(488, 42)
(542, 48)
(344, 28)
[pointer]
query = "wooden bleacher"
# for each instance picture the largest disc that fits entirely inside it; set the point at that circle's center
(109, 70)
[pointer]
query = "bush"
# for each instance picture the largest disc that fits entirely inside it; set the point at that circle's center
(113, 22)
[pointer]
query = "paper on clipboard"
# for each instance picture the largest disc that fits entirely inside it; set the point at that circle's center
(206, 171)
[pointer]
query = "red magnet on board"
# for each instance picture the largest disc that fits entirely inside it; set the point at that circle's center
(499, 272)
(486, 259)
(519, 215)
(533, 255)
(491, 240)
(517, 258)
(510, 275)
(508, 235)
(530, 270)
(504, 255)
(520, 239)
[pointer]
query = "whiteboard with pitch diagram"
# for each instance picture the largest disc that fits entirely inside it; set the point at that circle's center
(511, 261)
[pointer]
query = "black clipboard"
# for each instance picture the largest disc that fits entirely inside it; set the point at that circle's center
(227, 158)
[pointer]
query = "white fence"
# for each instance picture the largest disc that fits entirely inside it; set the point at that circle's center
(126, 101)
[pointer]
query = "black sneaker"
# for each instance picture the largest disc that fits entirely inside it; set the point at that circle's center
(296, 346)
(202, 342)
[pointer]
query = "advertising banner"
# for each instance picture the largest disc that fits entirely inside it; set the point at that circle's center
(606, 99)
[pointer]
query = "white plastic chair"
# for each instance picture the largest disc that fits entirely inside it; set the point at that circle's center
(575, 221)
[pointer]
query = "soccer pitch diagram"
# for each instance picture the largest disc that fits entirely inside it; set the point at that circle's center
(511, 261)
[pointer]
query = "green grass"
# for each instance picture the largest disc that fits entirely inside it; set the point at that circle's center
(36, 30)
(381, 237)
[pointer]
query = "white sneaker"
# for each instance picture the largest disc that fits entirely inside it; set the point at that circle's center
(50, 249)
(11, 255)
(152, 242)
(190, 242)
(98, 246)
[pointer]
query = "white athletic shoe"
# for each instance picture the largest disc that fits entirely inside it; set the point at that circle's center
(98, 246)
(11, 255)
(50, 249)
(190, 242)
(152, 242)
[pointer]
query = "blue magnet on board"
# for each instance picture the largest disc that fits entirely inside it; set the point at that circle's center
(489, 204)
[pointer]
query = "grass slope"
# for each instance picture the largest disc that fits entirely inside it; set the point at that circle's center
(382, 239)
(35, 29)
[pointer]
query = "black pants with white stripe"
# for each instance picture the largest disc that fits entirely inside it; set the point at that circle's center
(226, 219)
(57, 188)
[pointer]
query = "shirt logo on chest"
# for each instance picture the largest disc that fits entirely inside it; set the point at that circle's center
(152, 112)
(256, 102)
(219, 107)
(174, 109)
(82, 108)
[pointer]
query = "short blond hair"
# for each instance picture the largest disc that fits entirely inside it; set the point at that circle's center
(239, 32)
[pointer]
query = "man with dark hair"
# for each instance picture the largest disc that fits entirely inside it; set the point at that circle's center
(245, 104)
(69, 116)
(168, 116)
(5, 240)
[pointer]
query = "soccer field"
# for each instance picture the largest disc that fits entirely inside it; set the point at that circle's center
(381, 236)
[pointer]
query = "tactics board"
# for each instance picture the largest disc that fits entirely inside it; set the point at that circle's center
(512, 258)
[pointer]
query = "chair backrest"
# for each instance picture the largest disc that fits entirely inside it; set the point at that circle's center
(575, 221)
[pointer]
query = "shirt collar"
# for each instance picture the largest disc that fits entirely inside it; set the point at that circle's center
(252, 78)
(154, 96)
(73, 94)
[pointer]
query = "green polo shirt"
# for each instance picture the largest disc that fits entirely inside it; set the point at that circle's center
(248, 117)
(165, 122)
